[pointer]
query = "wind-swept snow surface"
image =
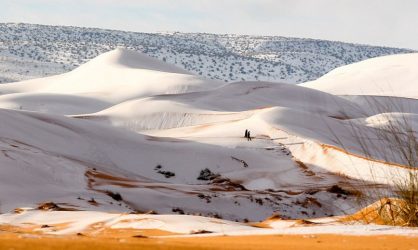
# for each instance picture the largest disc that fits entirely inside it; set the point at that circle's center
(127, 133)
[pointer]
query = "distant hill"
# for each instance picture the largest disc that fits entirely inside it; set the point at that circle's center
(30, 51)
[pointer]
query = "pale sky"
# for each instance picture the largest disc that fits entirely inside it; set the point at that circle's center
(377, 22)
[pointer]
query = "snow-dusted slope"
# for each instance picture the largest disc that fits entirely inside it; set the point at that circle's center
(394, 75)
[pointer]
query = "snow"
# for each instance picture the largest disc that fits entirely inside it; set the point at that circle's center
(80, 221)
(187, 225)
(128, 124)
(393, 75)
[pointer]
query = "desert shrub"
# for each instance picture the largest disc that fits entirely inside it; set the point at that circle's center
(49, 206)
(207, 175)
(115, 196)
(339, 190)
(405, 211)
(177, 210)
(167, 174)
(202, 231)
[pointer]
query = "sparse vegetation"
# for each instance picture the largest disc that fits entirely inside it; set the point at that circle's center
(167, 174)
(93, 202)
(46, 50)
(51, 206)
(177, 210)
(201, 232)
(207, 175)
(205, 197)
(338, 190)
(393, 141)
(115, 196)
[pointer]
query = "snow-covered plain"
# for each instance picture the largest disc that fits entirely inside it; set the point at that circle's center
(128, 133)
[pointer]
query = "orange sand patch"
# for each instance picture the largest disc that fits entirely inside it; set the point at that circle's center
(297, 242)
(29, 228)
(383, 212)
(304, 168)
(96, 178)
(267, 223)
(33, 229)
(100, 229)
(126, 233)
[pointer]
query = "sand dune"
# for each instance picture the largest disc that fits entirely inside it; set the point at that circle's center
(125, 133)
(393, 75)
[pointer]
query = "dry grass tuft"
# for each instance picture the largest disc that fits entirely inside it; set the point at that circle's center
(393, 139)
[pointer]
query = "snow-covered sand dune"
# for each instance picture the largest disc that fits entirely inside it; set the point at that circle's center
(59, 156)
(112, 77)
(394, 75)
(127, 133)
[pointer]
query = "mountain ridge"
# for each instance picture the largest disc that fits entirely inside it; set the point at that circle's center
(32, 51)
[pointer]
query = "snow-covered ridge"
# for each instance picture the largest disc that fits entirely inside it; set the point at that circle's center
(30, 51)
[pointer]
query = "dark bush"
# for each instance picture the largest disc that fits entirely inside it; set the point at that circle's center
(115, 196)
(207, 175)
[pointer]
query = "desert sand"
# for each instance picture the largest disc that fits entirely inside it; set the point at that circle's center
(313, 242)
